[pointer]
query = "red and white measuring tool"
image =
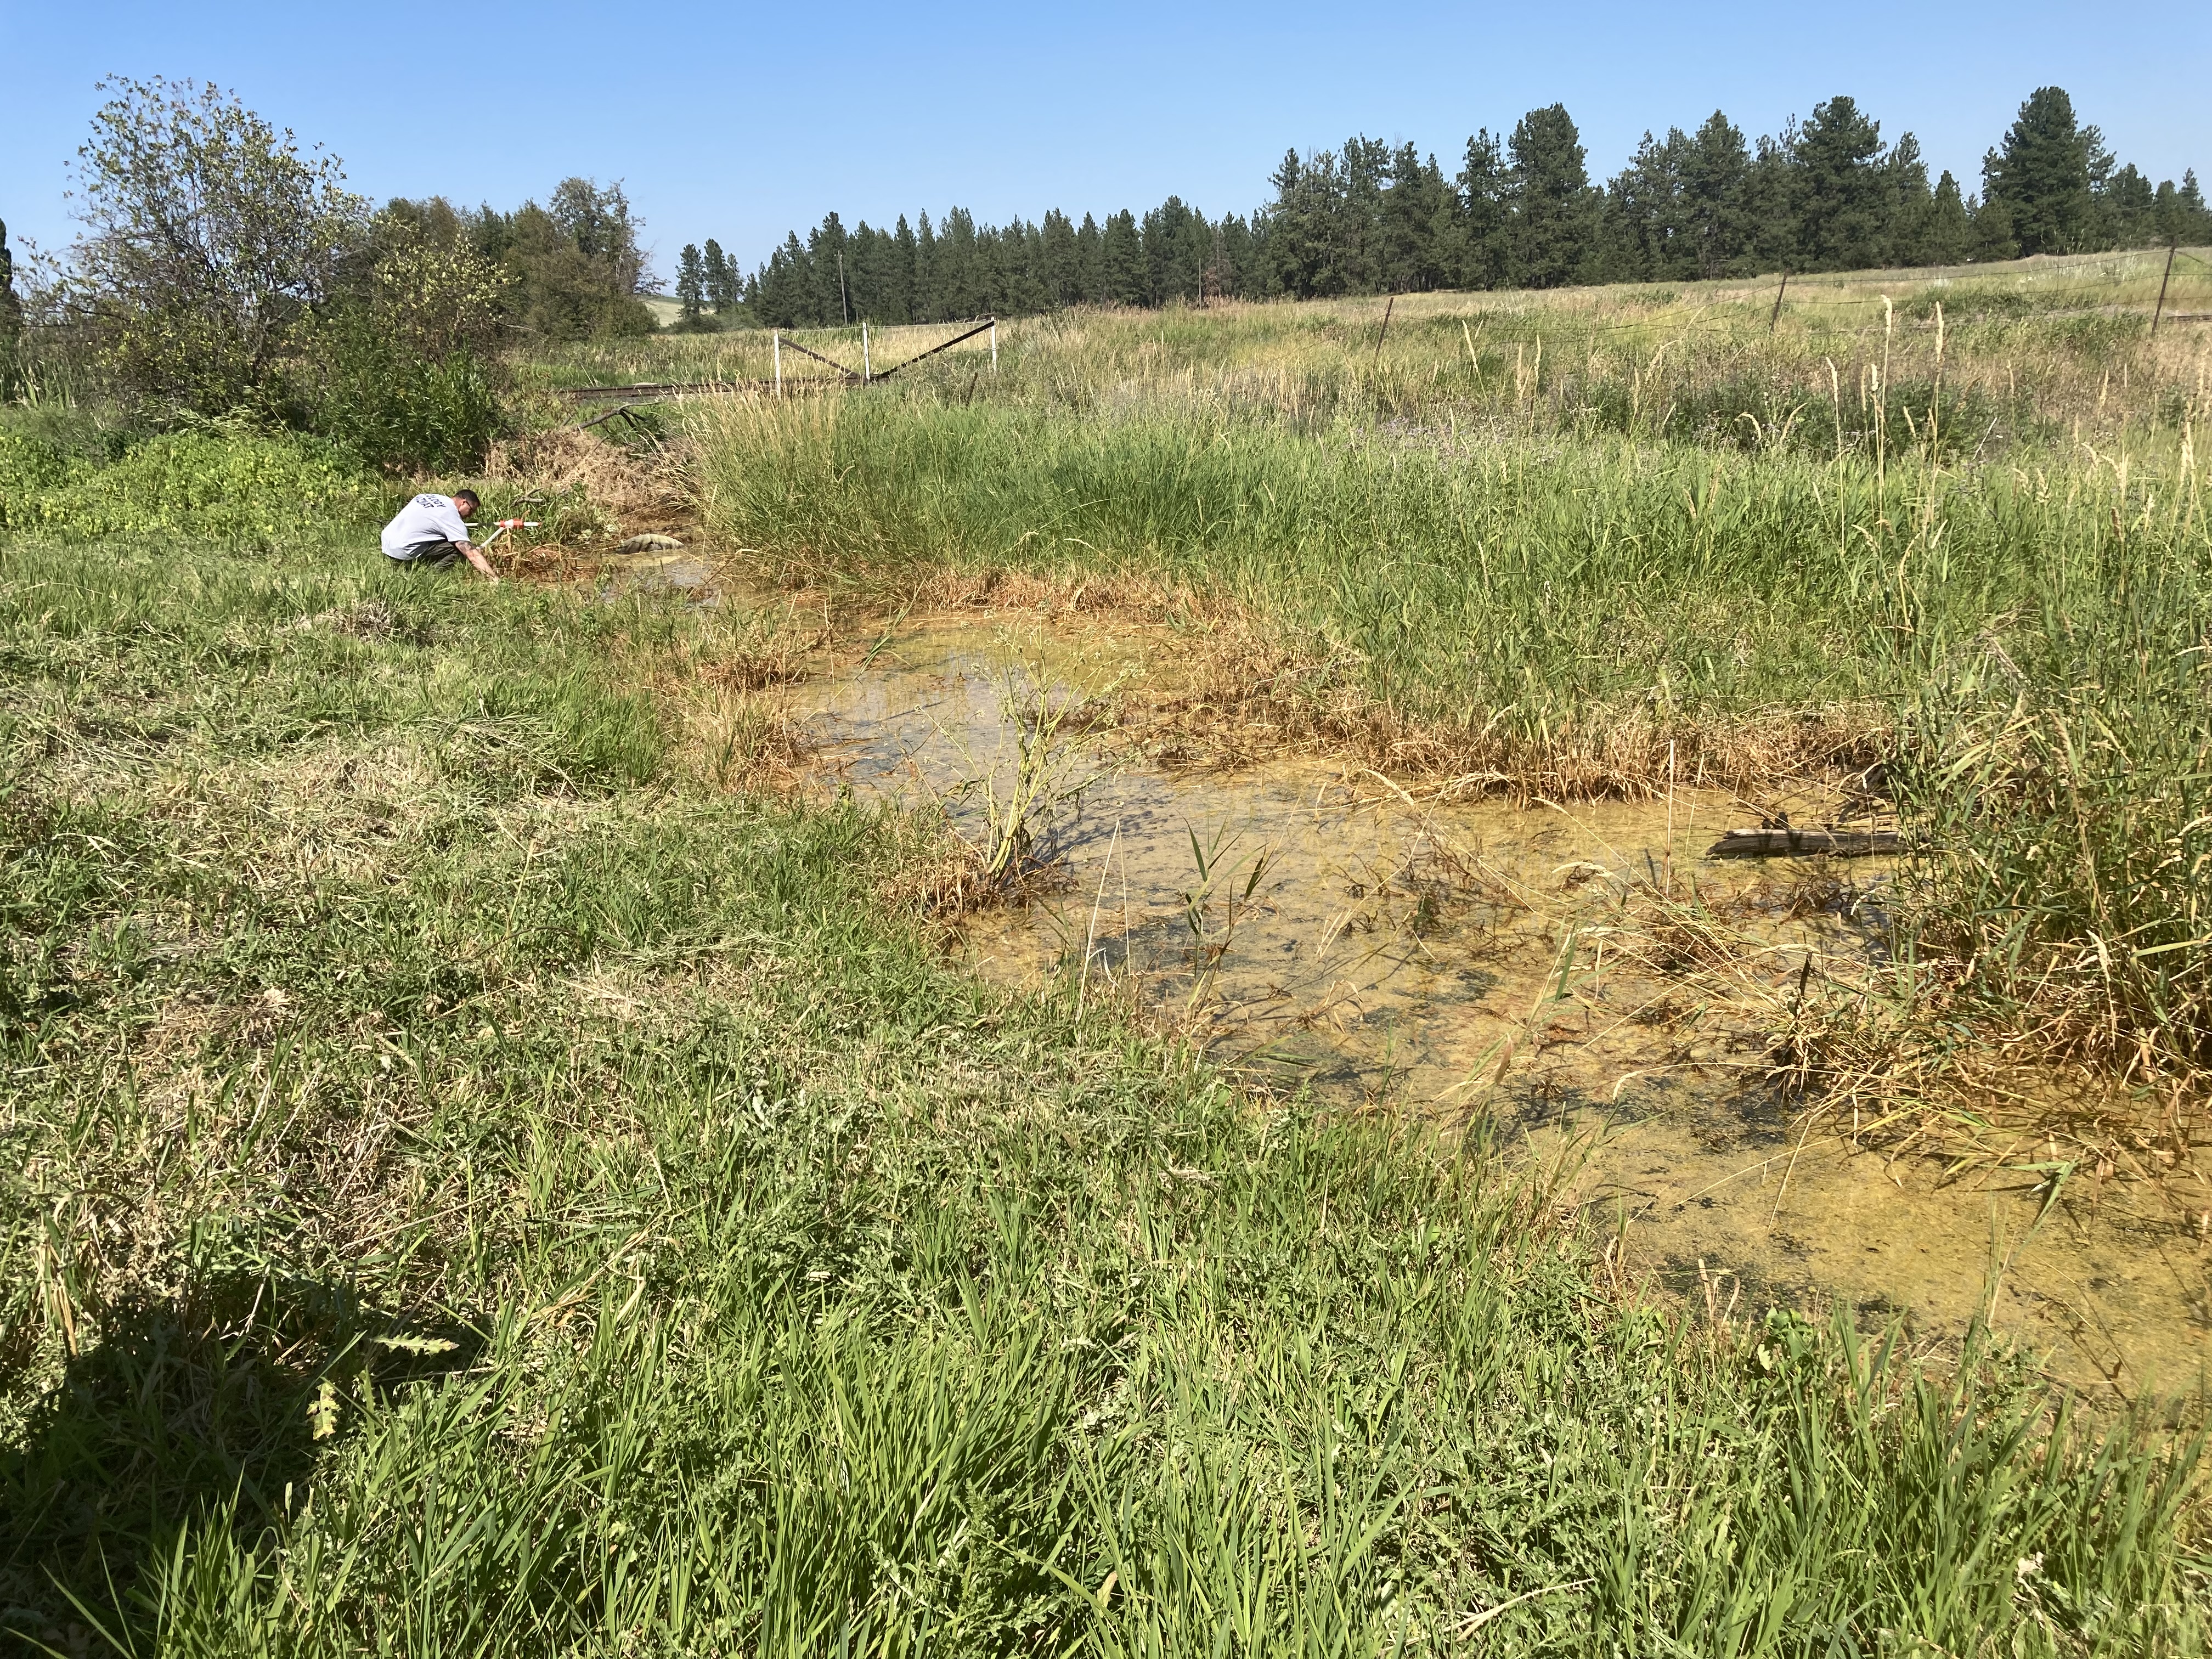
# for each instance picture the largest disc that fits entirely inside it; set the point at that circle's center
(502, 527)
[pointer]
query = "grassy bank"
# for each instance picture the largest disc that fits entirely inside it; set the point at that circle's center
(471, 1188)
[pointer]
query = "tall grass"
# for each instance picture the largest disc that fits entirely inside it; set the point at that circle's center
(1564, 608)
(467, 1190)
(2063, 781)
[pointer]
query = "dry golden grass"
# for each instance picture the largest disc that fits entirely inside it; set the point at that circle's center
(2055, 345)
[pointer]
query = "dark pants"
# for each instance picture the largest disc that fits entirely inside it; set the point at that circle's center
(426, 555)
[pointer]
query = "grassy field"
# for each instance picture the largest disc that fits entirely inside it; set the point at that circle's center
(2041, 348)
(1959, 535)
(472, 1186)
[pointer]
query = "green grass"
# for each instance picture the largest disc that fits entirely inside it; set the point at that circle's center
(1528, 584)
(468, 1190)
(62, 476)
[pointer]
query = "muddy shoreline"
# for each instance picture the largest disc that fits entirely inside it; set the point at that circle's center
(1477, 966)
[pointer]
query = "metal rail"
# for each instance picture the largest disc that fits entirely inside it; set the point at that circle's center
(669, 389)
(850, 375)
(650, 391)
(885, 374)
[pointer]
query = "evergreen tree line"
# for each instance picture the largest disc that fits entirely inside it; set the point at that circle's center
(1826, 193)
(926, 272)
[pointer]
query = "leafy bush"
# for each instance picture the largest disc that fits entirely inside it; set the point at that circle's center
(242, 487)
(208, 237)
(396, 370)
(227, 272)
(29, 467)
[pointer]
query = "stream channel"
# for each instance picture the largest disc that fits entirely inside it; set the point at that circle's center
(1316, 927)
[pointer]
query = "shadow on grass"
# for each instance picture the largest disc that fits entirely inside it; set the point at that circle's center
(211, 1398)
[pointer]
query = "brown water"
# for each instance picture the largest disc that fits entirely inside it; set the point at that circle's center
(1482, 964)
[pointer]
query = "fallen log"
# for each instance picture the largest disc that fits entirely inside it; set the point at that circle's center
(1802, 843)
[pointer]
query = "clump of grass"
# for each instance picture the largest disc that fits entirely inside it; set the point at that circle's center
(2067, 812)
(1039, 777)
(1560, 615)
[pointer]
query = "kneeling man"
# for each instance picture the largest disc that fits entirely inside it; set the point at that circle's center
(430, 531)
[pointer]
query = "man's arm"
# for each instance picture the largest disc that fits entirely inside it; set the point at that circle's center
(474, 554)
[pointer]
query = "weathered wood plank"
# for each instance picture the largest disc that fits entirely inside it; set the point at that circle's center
(1802, 843)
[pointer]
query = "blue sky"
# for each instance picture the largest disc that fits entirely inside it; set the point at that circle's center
(741, 122)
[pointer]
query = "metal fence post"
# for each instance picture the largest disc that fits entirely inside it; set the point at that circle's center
(863, 354)
(994, 345)
(775, 345)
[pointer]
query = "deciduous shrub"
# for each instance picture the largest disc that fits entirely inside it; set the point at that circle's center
(398, 369)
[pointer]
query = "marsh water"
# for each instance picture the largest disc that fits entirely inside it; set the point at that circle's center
(1477, 964)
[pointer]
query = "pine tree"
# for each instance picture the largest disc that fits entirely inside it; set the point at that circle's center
(1909, 204)
(1990, 234)
(1241, 257)
(1091, 260)
(828, 256)
(959, 286)
(1173, 260)
(1415, 216)
(1946, 234)
(1645, 235)
(905, 294)
(928, 304)
(1772, 213)
(872, 263)
(1549, 235)
(1356, 225)
(690, 282)
(1215, 279)
(785, 293)
(1716, 168)
(1485, 188)
(2127, 209)
(1123, 261)
(1026, 290)
(720, 278)
(1844, 201)
(1298, 222)
(1062, 260)
(2040, 176)
(2180, 214)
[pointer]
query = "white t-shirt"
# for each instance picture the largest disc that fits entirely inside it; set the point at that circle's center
(425, 519)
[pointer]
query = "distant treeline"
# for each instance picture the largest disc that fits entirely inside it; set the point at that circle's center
(1824, 194)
